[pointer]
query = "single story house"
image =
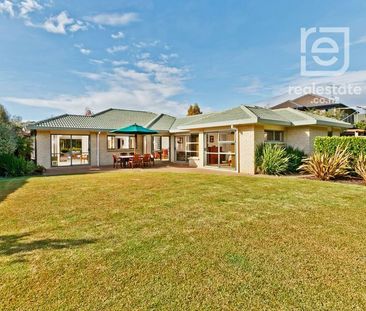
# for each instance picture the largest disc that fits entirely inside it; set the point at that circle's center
(222, 140)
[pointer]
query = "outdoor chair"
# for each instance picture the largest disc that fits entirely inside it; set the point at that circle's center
(146, 160)
(116, 161)
(135, 161)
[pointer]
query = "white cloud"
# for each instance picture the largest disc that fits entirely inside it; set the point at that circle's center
(57, 24)
(119, 62)
(113, 19)
(79, 25)
(360, 40)
(117, 48)
(7, 7)
(96, 61)
(149, 86)
(28, 6)
(142, 44)
(118, 35)
(253, 86)
(143, 55)
(167, 57)
(82, 49)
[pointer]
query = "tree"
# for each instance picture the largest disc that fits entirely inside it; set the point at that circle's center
(194, 110)
(8, 139)
(4, 115)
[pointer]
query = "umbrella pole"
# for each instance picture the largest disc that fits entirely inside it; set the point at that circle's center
(135, 142)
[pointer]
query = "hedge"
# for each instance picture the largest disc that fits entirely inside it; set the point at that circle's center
(354, 145)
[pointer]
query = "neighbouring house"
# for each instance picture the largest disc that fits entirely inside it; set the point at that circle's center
(323, 105)
(222, 140)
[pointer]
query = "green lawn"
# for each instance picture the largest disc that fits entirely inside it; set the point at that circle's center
(145, 240)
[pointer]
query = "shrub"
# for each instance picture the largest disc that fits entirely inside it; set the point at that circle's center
(326, 166)
(12, 166)
(360, 166)
(294, 155)
(354, 145)
(24, 147)
(274, 160)
(8, 139)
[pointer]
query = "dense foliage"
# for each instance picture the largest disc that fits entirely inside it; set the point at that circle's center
(12, 166)
(15, 147)
(326, 166)
(289, 159)
(8, 139)
(361, 125)
(354, 145)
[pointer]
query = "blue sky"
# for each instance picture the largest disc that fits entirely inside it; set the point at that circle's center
(63, 56)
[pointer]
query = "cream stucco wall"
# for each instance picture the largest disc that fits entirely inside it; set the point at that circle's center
(249, 137)
(43, 148)
(298, 137)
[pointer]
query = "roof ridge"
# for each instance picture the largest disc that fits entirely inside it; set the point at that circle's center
(154, 120)
(299, 112)
(246, 109)
(121, 109)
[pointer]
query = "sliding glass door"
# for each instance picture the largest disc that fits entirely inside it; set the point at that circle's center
(160, 147)
(68, 150)
(220, 150)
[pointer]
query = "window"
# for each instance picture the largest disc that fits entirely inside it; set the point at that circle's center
(186, 146)
(120, 142)
(274, 136)
(192, 145)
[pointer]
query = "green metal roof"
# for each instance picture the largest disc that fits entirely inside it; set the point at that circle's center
(252, 115)
(106, 120)
(233, 115)
(162, 122)
(116, 118)
(270, 116)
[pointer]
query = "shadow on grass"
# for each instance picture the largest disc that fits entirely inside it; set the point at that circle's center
(14, 244)
(10, 185)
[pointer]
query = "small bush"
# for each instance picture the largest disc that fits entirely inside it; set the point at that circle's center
(274, 160)
(294, 155)
(326, 166)
(360, 166)
(12, 166)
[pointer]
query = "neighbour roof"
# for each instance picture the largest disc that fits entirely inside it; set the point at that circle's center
(311, 101)
(116, 118)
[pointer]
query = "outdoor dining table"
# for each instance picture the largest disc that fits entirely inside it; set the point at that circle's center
(126, 158)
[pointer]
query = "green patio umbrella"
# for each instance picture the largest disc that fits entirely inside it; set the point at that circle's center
(134, 129)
